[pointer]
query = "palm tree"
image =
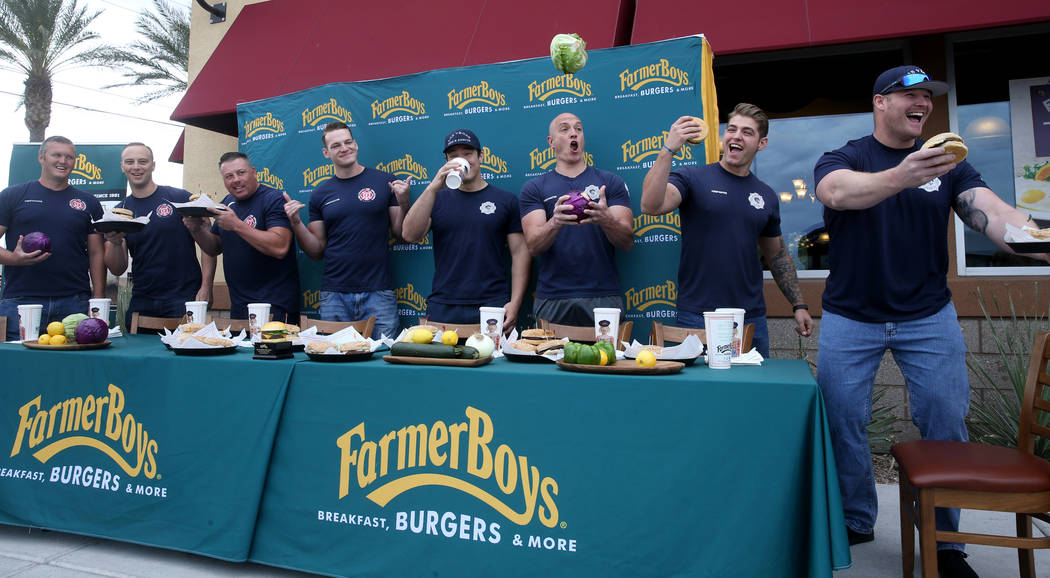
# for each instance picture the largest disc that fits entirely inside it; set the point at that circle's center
(40, 37)
(160, 56)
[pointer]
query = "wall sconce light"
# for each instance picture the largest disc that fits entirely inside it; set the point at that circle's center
(218, 11)
(785, 197)
(800, 187)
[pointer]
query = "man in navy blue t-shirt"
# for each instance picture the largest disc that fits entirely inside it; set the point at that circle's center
(253, 233)
(725, 205)
(473, 226)
(577, 257)
(166, 273)
(887, 205)
(58, 279)
(351, 216)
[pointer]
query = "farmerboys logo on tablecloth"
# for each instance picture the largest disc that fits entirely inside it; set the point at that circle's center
(384, 109)
(640, 300)
(660, 77)
(635, 152)
(263, 127)
(467, 460)
(476, 99)
(317, 117)
(559, 90)
(98, 422)
(658, 228)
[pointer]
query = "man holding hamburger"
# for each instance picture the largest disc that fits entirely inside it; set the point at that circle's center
(166, 273)
(887, 203)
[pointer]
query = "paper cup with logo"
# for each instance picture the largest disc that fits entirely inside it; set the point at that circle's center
(718, 327)
(99, 308)
(738, 328)
(258, 315)
(492, 323)
(607, 324)
(455, 178)
(29, 321)
(197, 311)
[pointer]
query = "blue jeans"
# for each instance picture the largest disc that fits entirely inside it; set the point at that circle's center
(932, 356)
(55, 308)
(357, 306)
(760, 340)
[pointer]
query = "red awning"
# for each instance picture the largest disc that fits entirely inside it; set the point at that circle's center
(283, 46)
(774, 24)
(179, 149)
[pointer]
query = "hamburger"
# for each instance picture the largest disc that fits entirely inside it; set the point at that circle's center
(190, 327)
(537, 335)
(355, 347)
(194, 197)
(1039, 233)
(703, 131)
(122, 212)
(319, 346)
(275, 331)
(950, 142)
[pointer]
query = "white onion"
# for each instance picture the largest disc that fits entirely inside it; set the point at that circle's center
(483, 343)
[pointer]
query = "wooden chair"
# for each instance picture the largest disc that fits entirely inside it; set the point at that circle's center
(586, 332)
(945, 474)
(153, 324)
(662, 333)
(3, 328)
(364, 326)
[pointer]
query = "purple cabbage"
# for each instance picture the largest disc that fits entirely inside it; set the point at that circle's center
(91, 330)
(36, 242)
(578, 202)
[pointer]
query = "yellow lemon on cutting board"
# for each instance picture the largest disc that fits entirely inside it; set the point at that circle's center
(45, 339)
(449, 337)
(645, 358)
(422, 336)
(57, 340)
(56, 328)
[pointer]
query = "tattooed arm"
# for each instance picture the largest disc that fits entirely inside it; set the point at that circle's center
(782, 266)
(983, 211)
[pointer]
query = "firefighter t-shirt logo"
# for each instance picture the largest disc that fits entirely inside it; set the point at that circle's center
(164, 210)
(756, 201)
(366, 195)
(487, 208)
(250, 220)
(78, 204)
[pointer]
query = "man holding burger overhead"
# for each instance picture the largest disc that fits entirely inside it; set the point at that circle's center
(887, 204)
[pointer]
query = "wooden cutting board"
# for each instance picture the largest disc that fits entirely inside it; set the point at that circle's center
(625, 367)
(67, 346)
(406, 360)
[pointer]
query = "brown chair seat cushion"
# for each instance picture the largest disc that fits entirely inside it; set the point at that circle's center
(971, 466)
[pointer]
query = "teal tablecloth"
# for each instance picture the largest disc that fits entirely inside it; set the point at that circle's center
(137, 444)
(527, 470)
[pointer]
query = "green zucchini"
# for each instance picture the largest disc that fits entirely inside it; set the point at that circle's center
(433, 350)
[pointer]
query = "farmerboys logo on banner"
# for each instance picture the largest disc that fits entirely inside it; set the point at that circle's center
(313, 177)
(270, 179)
(641, 300)
(559, 91)
(460, 457)
(405, 167)
(477, 98)
(640, 154)
(411, 108)
(315, 118)
(262, 127)
(542, 160)
(493, 166)
(48, 428)
(658, 228)
(660, 77)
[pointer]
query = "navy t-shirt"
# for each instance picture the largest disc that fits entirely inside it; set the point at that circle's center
(470, 245)
(66, 217)
(356, 215)
(723, 215)
(890, 262)
(253, 277)
(581, 262)
(164, 256)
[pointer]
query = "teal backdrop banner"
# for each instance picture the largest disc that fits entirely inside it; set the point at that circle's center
(626, 97)
(97, 169)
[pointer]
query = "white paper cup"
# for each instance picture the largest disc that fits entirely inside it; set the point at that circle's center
(455, 178)
(492, 323)
(738, 328)
(99, 308)
(29, 321)
(607, 324)
(197, 311)
(258, 315)
(718, 327)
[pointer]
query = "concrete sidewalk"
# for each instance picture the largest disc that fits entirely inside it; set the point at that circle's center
(33, 553)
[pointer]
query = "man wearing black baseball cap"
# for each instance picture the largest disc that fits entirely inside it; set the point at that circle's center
(887, 205)
(474, 224)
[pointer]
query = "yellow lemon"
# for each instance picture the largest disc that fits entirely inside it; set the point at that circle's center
(449, 337)
(45, 339)
(56, 328)
(645, 358)
(57, 340)
(603, 359)
(422, 336)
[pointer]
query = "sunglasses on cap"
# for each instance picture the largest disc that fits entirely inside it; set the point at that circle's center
(906, 81)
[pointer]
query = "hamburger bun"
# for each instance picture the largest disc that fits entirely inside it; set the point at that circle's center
(122, 212)
(216, 341)
(537, 334)
(951, 142)
(195, 196)
(703, 131)
(1039, 233)
(274, 331)
(355, 347)
(523, 345)
(319, 346)
(190, 327)
(546, 346)
(656, 349)
(431, 328)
